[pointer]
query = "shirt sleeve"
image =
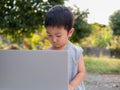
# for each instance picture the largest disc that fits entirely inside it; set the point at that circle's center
(78, 53)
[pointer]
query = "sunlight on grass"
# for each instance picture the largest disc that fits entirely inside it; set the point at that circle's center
(102, 65)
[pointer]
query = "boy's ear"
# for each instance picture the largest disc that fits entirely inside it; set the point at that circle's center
(70, 32)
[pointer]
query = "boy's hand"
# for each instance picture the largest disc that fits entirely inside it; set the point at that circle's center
(70, 87)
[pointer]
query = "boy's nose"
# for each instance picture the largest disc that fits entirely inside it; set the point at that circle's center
(54, 39)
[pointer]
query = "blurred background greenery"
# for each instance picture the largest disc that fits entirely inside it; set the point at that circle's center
(22, 27)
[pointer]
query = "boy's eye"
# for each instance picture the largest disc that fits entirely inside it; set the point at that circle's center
(59, 36)
(49, 35)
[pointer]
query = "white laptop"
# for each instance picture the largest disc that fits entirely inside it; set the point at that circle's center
(33, 70)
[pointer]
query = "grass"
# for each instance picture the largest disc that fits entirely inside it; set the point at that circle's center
(102, 65)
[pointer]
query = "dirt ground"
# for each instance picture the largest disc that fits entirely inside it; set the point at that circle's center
(102, 82)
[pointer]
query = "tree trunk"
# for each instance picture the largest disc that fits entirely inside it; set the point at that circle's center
(101, 53)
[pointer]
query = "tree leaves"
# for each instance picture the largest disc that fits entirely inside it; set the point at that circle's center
(115, 22)
(82, 28)
(20, 18)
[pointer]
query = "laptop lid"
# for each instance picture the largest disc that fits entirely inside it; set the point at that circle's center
(33, 70)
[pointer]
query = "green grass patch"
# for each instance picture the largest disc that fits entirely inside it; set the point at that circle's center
(102, 65)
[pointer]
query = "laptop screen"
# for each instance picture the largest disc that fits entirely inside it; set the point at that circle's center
(33, 70)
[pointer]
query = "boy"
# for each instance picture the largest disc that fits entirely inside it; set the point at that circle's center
(59, 27)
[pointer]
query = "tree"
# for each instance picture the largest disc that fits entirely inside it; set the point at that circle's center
(115, 26)
(82, 28)
(101, 36)
(20, 18)
(115, 22)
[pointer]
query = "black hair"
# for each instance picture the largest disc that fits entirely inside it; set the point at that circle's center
(59, 16)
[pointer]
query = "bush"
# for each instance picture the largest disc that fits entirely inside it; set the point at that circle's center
(115, 53)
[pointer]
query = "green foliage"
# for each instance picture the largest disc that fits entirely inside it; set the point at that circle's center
(115, 22)
(103, 36)
(20, 18)
(38, 40)
(82, 28)
(2, 45)
(100, 36)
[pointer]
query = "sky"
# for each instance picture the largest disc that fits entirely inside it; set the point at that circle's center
(99, 10)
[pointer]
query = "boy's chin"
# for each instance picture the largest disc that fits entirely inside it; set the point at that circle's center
(57, 47)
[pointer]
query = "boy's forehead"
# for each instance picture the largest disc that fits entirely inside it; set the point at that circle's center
(55, 29)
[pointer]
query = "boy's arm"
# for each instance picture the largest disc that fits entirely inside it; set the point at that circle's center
(80, 75)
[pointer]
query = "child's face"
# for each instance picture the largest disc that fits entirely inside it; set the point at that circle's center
(58, 36)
